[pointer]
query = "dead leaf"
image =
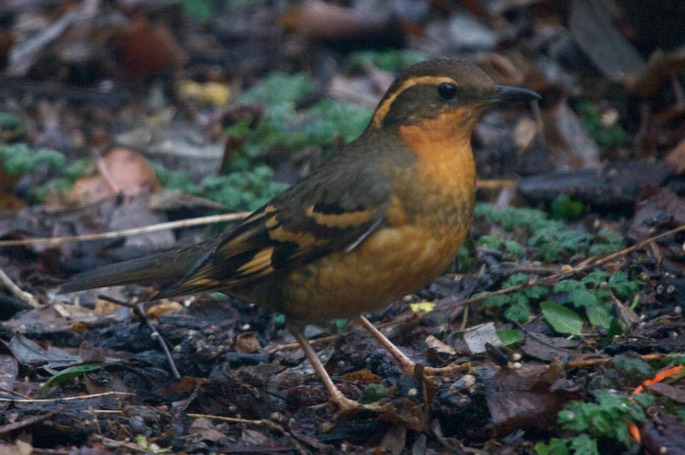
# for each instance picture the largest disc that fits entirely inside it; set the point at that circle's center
(364, 375)
(47, 319)
(9, 369)
(676, 394)
(662, 433)
(28, 352)
(476, 338)
(660, 209)
(247, 342)
(572, 146)
(163, 308)
(394, 439)
(317, 20)
(438, 346)
(590, 23)
(548, 349)
(525, 398)
(146, 49)
(204, 430)
(660, 68)
(120, 171)
(254, 437)
(677, 157)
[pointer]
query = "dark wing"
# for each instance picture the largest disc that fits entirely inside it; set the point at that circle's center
(335, 208)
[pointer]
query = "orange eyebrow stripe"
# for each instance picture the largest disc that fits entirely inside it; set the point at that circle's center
(385, 105)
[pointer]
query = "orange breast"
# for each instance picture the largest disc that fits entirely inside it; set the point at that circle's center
(388, 265)
(427, 219)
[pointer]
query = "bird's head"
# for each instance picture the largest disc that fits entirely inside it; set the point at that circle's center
(440, 91)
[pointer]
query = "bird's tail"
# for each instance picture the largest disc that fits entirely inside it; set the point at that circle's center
(167, 266)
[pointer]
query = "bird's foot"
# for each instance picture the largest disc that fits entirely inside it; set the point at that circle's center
(348, 409)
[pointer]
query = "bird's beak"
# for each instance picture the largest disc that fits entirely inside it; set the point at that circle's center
(506, 94)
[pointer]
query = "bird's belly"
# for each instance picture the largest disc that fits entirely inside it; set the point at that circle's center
(388, 265)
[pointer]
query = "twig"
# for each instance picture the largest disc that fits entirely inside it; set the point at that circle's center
(26, 422)
(495, 184)
(140, 312)
(585, 363)
(265, 423)
(24, 297)
(75, 398)
(313, 341)
(125, 444)
(127, 232)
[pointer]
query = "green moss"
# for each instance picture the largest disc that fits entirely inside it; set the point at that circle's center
(242, 190)
(550, 240)
(278, 88)
(20, 158)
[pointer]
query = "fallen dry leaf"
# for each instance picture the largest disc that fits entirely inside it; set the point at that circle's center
(120, 171)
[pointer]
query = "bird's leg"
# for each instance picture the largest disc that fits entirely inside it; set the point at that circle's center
(408, 366)
(345, 404)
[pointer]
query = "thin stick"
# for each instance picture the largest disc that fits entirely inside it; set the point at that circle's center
(24, 297)
(495, 184)
(53, 241)
(76, 398)
(140, 312)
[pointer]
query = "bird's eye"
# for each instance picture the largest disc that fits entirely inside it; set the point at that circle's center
(447, 91)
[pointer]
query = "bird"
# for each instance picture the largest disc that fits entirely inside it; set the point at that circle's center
(379, 220)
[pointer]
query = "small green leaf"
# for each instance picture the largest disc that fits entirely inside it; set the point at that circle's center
(615, 328)
(581, 297)
(514, 248)
(568, 286)
(584, 444)
(632, 367)
(555, 446)
(510, 338)
(491, 241)
(565, 208)
(596, 278)
(70, 373)
(373, 392)
(340, 324)
(599, 316)
(515, 279)
(561, 318)
(535, 292)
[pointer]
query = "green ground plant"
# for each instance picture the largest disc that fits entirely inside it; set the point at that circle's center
(554, 242)
(607, 134)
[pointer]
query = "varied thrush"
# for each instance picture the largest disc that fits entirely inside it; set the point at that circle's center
(381, 219)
